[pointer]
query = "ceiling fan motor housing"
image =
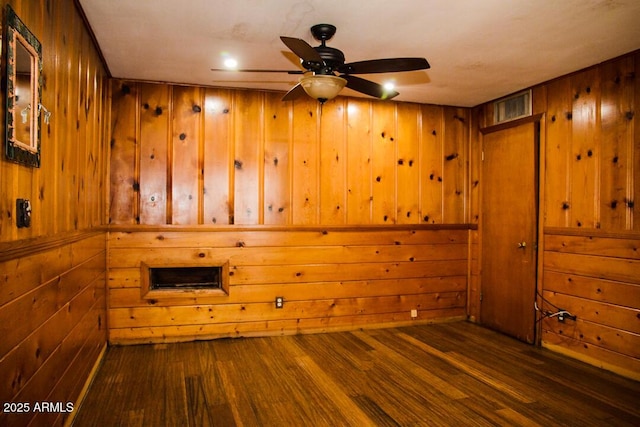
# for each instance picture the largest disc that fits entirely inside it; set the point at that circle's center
(332, 58)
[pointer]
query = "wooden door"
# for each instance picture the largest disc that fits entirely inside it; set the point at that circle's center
(509, 230)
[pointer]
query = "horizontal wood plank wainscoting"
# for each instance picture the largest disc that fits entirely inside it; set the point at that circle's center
(53, 321)
(595, 276)
(330, 278)
(590, 188)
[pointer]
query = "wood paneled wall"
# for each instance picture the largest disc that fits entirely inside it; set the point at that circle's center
(53, 274)
(193, 155)
(232, 159)
(595, 276)
(52, 323)
(591, 177)
(67, 192)
(331, 278)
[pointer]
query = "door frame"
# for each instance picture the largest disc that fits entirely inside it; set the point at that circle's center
(540, 120)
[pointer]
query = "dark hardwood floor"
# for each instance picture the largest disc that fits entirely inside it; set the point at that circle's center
(453, 374)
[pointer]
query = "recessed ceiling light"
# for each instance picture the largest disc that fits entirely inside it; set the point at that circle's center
(230, 63)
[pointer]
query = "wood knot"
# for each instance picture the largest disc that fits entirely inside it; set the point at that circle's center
(196, 109)
(240, 244)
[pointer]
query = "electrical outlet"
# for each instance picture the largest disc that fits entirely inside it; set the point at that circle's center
(564, 315)
(279, 302)
(414, 314)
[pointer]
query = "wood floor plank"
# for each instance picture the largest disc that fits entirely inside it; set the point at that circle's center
(429, 375)
(455, 360)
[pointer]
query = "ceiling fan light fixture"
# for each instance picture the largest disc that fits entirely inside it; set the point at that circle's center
(322, 87)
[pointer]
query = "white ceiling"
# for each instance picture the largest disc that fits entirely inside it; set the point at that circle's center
(479, 50)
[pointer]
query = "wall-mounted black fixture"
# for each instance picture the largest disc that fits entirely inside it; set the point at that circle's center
(23, 213)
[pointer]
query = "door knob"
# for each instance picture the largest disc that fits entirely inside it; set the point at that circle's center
(522, 245)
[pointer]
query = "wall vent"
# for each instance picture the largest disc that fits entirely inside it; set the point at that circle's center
(512, 107)
(166, 281)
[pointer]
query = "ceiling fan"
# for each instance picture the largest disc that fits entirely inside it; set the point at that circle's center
(322, 62)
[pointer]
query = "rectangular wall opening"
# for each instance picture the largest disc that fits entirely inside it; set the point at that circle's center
(180, 281)
(185, 278)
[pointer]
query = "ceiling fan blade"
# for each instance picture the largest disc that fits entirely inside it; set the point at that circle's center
(294, 93)
(302, 49)
(369, 88)
(247, 70)
(390, 65)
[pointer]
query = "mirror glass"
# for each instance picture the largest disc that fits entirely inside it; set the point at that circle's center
(23, 66)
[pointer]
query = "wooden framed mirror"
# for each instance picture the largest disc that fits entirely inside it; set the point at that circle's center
(23, 68)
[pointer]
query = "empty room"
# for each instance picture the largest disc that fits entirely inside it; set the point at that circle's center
(320, 213)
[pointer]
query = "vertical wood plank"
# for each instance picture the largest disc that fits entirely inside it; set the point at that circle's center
(333, 162)
(305, 198)
(249, 140)
(154, 155)
(359, 191)
(68, 158)
(217, 156)
(432, 158)
(47, 185)
(186, 169)
(408, 163)
(454, 166)
(277, 145)
(558, 153)
(384, 163)
(475, 164)
(617, 139)
(123, 198)
(585, 121)
(635, 164)
(82, 131)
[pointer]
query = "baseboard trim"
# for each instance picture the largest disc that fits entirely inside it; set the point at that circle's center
(83, 393)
